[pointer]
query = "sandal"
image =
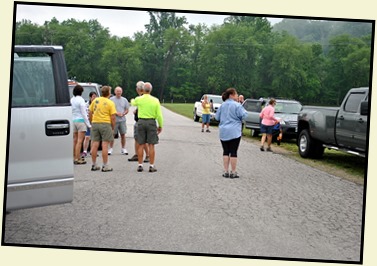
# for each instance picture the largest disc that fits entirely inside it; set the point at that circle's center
(226, 174)
(79, 161)
(234, 175)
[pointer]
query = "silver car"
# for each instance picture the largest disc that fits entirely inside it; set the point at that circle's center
(40, 162)
(286, 110)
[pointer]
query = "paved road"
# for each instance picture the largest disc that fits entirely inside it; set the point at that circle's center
(278, 208)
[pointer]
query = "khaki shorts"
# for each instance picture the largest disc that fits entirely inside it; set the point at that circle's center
(101, 132)
(79, 127)
(147, 131)
(120, 127)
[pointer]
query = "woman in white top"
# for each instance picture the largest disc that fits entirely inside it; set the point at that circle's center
(80, 123)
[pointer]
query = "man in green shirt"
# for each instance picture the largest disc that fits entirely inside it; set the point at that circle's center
(149, 112)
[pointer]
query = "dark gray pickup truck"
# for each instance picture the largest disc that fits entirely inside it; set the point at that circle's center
(340, 128)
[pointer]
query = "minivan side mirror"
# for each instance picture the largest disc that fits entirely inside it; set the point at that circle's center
(364, 108)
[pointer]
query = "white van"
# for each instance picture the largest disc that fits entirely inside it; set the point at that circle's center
(39, 168)
(88, 88)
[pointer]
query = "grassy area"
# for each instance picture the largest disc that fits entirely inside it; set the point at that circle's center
(185, 109)
(334, 162)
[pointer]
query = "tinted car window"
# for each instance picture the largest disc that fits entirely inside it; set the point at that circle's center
(353, 102)
(33, 81)
(252, 106)
(288, 107)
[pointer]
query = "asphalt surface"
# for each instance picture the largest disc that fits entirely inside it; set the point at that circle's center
(278, 207)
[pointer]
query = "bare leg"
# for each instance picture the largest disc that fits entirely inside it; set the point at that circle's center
(123, 140)
(226, 162)
(263, 140)
(136, 146)
(105, 149)
(269, 140)
(75, 137)
(233, 163)
(80, 138)
(86, 143)
(152, 153)
(94, 150)
(140, 150)
(146, 150)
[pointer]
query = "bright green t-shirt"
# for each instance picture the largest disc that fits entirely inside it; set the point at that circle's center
(148, 107)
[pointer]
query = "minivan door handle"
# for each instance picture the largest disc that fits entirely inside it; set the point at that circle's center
(57, 127)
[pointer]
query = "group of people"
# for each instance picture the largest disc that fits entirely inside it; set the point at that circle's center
(105, 116)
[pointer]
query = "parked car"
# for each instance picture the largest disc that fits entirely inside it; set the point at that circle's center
(198, 109)
(39, 168)
(286, 110)
(88, 87)
(341, 128)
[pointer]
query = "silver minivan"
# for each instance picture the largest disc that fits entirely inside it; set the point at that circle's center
(39, 168)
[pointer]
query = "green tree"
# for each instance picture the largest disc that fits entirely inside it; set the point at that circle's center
(348, 66)
(122, 60)
(164, 40)
(28, 33)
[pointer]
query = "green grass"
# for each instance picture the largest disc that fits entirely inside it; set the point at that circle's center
(185, 109)
(334, 162)
(338, 163)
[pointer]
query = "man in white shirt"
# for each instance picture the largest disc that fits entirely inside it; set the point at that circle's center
(122, 106)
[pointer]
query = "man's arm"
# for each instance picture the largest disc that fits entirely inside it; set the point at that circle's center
(113, 121)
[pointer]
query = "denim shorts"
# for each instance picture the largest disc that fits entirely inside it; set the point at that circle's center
(87, 133)
(206, 118)
(266, 129)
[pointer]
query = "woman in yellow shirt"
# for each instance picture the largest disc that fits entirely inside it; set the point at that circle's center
(206, 114)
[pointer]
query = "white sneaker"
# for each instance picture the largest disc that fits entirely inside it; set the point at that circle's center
(124, 151)
(110, 151)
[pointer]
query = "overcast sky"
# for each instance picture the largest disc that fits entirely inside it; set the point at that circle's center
(119, 22)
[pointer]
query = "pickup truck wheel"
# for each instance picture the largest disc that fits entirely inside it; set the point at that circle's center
(308, 147)
(196, 117)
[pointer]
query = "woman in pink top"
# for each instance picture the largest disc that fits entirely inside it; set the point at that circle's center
(267, 124)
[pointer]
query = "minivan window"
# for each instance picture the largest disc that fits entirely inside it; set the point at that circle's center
(85, 93)
(33, 81)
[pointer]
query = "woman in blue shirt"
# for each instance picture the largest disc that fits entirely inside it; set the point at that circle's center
(230, 114)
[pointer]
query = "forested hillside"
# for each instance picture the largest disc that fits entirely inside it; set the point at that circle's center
(296, 59)
(321, 31)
